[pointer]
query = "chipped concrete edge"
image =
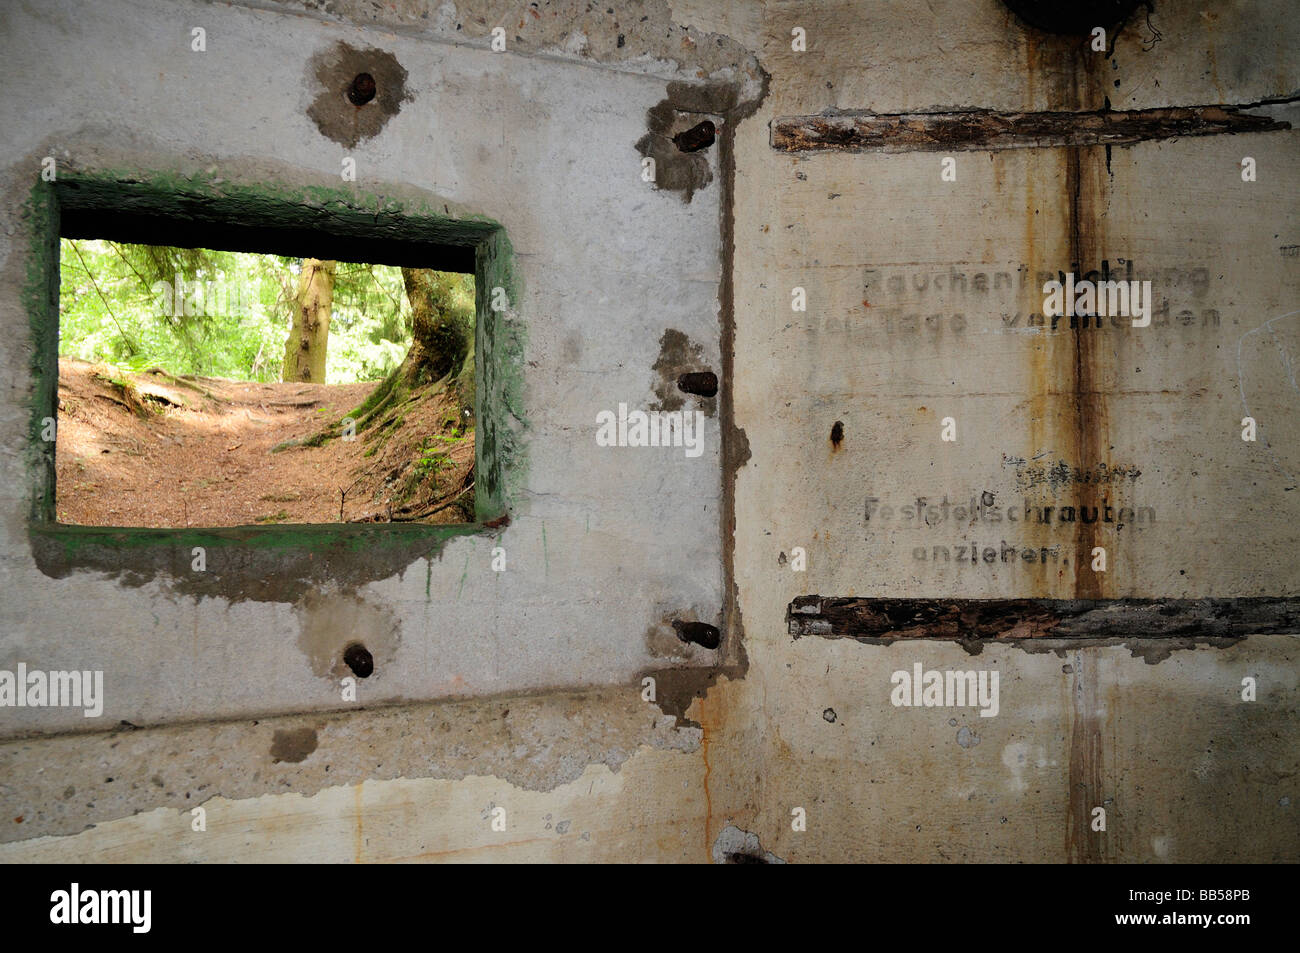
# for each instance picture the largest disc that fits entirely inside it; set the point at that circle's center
(528, 741)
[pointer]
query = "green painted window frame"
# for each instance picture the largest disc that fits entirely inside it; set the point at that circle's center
(319, 221)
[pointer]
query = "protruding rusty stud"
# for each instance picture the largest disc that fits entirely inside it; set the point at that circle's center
(362, 89)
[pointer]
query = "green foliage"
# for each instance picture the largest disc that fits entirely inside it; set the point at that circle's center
(370, 329)
(433, 455)
(126, 388)
(118, 303)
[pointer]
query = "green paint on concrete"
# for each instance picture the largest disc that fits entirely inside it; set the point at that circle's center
(41, 298)
(463, 576)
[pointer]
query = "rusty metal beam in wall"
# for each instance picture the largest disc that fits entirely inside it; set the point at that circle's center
(871, 620)
(985, 130)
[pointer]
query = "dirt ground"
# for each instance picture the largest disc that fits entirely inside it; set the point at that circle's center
(197, 451)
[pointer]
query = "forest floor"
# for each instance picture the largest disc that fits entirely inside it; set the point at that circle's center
(150, 449)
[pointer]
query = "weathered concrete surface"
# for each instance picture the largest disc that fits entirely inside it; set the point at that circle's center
(950, 55)
(419, 820)
(1185, 769)
(543, 147)
(604, 547)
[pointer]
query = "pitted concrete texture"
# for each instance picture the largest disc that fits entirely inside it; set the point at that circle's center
(684, 40)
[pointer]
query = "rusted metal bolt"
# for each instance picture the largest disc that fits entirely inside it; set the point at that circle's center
(358, 658)
(362, 89)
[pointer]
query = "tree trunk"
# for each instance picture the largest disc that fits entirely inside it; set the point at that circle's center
(304, 351)
(440, 340)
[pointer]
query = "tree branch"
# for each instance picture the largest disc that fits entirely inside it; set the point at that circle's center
(131, 348)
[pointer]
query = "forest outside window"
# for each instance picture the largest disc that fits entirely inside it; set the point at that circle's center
(199, 387)
(234, 365)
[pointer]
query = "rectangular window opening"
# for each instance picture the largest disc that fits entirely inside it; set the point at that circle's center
(209, 388)
(161, 323)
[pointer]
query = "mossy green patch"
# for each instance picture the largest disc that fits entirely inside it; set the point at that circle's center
(41, 298)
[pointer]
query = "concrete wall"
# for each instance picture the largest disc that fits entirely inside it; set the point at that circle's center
(544, 139)
(1184, 768)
